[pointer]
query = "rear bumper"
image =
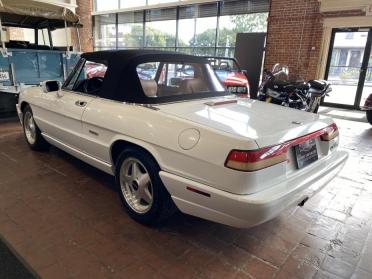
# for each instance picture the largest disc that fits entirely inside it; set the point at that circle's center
(250, 210)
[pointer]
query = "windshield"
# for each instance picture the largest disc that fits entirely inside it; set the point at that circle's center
(281, 72)
(223, 67)
(166, 79)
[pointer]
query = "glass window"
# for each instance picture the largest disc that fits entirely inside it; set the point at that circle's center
(130, 30)
(163, 79)
(105, 31)
(223, 67)
(225, 52)
(106, 5)
(161, 33)
(197, 25)
(88, 78)
(147, 71)
(161, 28)
(20, 34)
(230, 25)
(197, 32)
(130, 35)
(185, 50)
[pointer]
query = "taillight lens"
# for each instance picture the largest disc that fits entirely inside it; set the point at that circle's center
(256, 159)
(253, 160)
(331, 132)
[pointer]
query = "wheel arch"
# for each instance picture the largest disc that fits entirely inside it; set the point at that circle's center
(23, 105)
(120, 144)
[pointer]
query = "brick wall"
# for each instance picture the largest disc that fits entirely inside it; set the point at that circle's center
(84, 10)
(295, 30)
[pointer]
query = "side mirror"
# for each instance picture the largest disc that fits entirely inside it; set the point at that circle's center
(51, 86)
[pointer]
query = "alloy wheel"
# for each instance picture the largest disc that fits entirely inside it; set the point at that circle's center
(30, 127)
(136, 185)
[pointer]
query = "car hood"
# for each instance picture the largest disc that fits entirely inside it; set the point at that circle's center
(267, 124)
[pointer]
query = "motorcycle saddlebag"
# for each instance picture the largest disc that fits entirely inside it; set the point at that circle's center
(315, 92)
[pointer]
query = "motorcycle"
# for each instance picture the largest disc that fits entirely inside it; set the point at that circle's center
(279, 88)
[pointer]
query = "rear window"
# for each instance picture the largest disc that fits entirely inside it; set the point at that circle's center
(165, 79)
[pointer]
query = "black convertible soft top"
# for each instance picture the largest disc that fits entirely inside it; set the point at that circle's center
(121, 82)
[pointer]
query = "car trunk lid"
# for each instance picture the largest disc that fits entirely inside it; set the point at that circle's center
(267, 124)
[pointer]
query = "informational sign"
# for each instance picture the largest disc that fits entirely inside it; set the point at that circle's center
(4, 75)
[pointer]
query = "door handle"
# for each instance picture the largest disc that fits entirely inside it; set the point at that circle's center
(80, 103)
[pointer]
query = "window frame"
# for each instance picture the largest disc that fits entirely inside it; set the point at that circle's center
(213, 50)
(211, 82)
(74, 75)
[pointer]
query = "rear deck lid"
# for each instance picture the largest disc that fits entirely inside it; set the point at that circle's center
(267, 124)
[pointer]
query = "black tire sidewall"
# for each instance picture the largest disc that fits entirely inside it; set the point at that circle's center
(40, 143)
(32, 145)
(153, 216)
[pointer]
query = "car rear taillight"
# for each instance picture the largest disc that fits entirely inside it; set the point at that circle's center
(331, 132)
(256, 159)
(253, 160)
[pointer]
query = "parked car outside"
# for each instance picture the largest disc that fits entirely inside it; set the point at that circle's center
(230, 74)
(181, 141)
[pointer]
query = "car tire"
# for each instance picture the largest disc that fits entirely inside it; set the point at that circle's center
(32, 132)
(140, 188)
(369, 116)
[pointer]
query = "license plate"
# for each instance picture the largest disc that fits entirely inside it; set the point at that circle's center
(306, 153)
(237, 89)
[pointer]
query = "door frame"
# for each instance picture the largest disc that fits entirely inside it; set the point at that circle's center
(363, 71)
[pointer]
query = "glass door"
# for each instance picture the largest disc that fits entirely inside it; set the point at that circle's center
(347, 66)
(367, 86)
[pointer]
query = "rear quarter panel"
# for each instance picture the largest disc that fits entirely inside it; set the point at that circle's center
(158, 133)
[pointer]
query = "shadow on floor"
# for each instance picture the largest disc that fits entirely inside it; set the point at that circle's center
(11, 267)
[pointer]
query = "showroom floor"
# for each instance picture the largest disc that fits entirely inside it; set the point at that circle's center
(64, 219)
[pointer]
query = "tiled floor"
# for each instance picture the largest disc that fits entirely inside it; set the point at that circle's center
(64, 218)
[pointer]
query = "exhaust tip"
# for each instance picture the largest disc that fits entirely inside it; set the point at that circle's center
(302, 203)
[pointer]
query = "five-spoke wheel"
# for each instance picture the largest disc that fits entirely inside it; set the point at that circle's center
(140, 187)
(136, 186)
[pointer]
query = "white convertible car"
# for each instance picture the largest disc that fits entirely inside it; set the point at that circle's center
(173, 137)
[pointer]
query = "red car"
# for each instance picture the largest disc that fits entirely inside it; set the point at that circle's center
(230, 74)
(368, 108)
